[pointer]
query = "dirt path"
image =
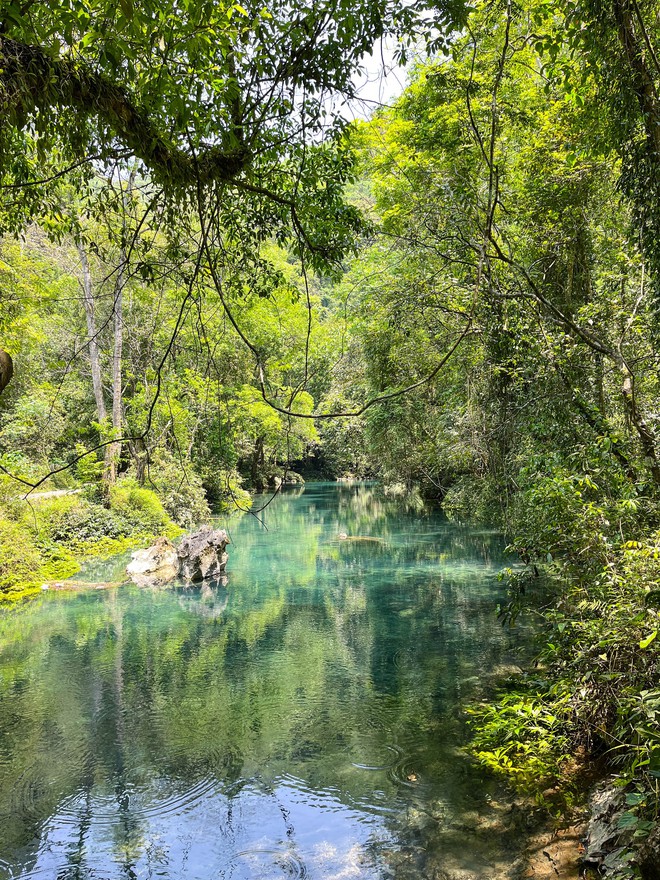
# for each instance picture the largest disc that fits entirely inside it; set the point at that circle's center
(55, 493)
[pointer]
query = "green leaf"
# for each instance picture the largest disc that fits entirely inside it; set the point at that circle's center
(627, 820)
(647, 641)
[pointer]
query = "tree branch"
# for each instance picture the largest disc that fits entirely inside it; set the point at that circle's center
(33, 80)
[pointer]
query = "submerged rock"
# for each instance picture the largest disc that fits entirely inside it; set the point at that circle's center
(342, 536)
(71, 584)
(202, 554)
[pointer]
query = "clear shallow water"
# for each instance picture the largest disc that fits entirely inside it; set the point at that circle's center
(303, 721)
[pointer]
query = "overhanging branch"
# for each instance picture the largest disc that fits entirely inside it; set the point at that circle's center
(32, 79)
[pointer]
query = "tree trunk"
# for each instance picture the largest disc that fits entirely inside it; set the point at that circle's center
(92, 344)
(138, 451)
(113, 451)
(6, 369)
(642, 80)
(644, 431)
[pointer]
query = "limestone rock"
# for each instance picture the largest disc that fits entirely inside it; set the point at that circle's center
(155, 566)
(291, 478)
(607, 845)
(202, 554)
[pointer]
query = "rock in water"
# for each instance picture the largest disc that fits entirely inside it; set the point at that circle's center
(155, 566)
(202, 554)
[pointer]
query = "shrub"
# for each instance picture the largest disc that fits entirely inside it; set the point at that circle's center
(20, 559)
(601, 663)
(525, 736)
(140, 508)
(85, 521)
(89, 468)
(180, 490)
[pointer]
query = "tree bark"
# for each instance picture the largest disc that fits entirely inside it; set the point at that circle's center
(113, 451)
(6, 369)
(65, 82)
(92, 344)
(139, 454)
(642, 81)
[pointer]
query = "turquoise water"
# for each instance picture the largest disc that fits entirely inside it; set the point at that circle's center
(303, 720)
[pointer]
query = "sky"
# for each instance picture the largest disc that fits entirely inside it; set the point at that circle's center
(381, 82)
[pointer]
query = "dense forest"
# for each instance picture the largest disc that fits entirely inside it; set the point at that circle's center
(213, 282)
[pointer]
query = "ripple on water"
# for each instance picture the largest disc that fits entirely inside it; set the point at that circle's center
(107, 808)
(392, 754)
(31, 796)
(399, 765)
(46, 873)
(406, 772)
(265, 864)
(401, 659)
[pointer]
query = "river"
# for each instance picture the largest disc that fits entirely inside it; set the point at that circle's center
(303, 720)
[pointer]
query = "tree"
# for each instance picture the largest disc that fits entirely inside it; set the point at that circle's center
(617, 44)
(213, 98)
(227, 111)
(495, 194)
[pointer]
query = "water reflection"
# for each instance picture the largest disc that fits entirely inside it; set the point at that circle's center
(259, 829)
(302, 719)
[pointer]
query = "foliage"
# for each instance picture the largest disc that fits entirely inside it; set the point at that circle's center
(48, 538)
(525, 737)
(20, 561)
(496, 183)
(179, 490)
(490, 281)
(84, 521)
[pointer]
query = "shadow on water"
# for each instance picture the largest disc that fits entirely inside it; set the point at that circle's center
(302, 719)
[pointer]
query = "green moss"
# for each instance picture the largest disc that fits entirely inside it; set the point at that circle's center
(104, 547)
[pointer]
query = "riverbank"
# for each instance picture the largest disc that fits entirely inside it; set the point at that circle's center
(591, 700)
(49, 538)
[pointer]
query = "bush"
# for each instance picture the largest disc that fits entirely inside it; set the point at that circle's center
(84, 521)
(89, 468)
(20, 559)
(139, 508)
(180, 491)
(600, 697)
(525, 736)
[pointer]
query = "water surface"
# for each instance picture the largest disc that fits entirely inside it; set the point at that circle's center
(304, 720)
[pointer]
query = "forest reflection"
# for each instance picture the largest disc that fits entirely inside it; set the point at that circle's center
(284, 724)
